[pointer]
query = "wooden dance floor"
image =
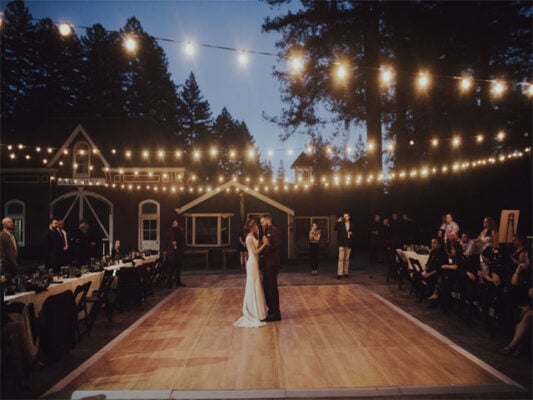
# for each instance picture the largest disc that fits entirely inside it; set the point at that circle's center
(333, 341)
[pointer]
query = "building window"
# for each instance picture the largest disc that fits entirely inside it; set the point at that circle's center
(82, 160)
(149, 225)
(16, 210)
(208, 230)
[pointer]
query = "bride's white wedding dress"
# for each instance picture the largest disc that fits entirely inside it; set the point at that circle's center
(254, 307)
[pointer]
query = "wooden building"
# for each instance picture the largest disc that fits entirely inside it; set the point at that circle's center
(127, 177)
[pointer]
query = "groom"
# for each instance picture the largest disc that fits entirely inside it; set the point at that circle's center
(271, 266)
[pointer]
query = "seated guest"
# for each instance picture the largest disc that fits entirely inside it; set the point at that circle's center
(522, 332)
(448, 276)
(521, 279)
(437, 257)
(468, 245)
(116, 252)
(489, 235)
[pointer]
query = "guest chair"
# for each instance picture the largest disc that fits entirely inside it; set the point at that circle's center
(80, 297)
(57, 323)
(418, 286)
(129, 287)
(103, 297)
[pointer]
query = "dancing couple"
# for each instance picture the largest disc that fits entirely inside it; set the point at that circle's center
(261, 297)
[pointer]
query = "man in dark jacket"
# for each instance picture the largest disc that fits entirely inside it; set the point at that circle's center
(271, 266)
(175, 247)
(54, 245)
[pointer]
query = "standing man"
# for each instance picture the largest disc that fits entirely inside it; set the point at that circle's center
(8, 247)
(61, 229)
(86, 244)
(54, 245)
(450, 226)
(271, 260)
(175, 246)
(344, 241)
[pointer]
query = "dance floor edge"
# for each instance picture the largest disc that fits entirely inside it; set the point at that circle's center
(333, 341)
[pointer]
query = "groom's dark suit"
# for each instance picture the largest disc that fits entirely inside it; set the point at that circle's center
(271, 264)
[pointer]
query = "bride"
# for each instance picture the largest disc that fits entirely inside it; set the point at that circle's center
(254, 307)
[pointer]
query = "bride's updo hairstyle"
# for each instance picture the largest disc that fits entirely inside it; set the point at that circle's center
(249, 225)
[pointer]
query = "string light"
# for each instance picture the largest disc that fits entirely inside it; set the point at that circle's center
(296, 65)
(130, 44)
(434, 142)
(466, 83)
(498, 88)
(386, 75)
(189, 48)
(423, 80)
(65, 29)
(296, 62)
(243, 58)
(480, 138)
(500, 136)
(456, 141)
(341, 72)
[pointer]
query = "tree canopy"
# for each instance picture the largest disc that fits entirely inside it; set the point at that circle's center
(489, 39)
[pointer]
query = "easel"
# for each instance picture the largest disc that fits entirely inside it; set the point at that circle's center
(510, 232)
(508, 229)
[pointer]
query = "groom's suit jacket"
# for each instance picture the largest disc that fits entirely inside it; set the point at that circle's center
(271, 256)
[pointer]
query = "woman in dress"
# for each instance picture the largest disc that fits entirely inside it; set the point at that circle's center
(254, 307)
(314, 247)
(489, 235)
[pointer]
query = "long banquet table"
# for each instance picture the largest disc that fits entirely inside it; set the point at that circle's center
(38, 299)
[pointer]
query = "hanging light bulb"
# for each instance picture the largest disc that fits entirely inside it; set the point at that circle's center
(423, 81)
(456, 141)
(500, 136)
(341, 72)
(530, 90)
(65, 29)
(243, 57)
(130, 44)
(435, 142)
(189, 48)
(466, 83)
(498, 88)
(296, 65)
(386, 75)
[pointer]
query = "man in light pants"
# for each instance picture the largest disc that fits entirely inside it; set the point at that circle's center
(344, 240)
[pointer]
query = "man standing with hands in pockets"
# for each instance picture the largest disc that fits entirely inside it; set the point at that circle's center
(344, 240)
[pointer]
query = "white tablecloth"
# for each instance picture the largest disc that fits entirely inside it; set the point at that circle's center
(55, 288)
(137, 262)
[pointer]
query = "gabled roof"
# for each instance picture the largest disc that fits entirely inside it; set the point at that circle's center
(240, 186)
(78, 131)
(303, 160)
